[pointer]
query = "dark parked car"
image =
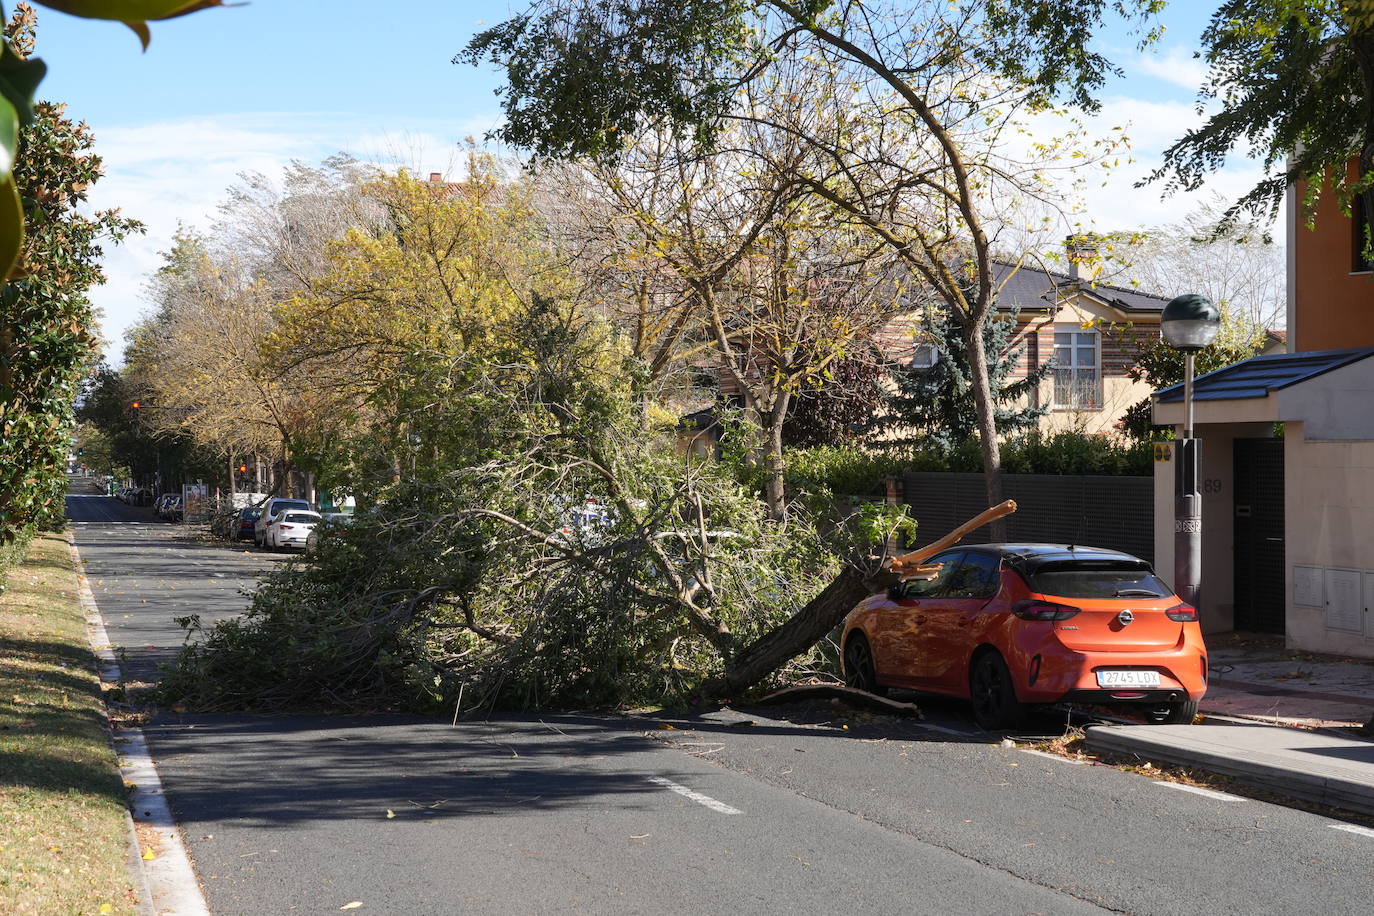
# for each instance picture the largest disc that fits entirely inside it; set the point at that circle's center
(243, 525)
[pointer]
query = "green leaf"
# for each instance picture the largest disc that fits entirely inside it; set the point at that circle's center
(11, 226)
(9, 137)
(129, 10)
(133, 13)
(19, 79)
(141, 30)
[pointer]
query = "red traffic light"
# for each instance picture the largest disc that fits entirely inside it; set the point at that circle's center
(135, 405)
(243, 469)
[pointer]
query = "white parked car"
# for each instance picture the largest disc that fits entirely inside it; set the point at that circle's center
(271, 509)
(290, 528)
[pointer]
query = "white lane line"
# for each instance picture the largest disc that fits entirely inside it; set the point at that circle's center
(1352, 828)
(708, 801)
(170, 877)
(1070, 760)
(1197, 790)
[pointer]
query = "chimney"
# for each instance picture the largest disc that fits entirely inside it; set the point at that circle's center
(436, 177)
(1081, 250)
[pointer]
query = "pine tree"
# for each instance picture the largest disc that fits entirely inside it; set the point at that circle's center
(934, 406)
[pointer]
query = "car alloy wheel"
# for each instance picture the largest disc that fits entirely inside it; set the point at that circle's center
(995, 706)
(859, 671)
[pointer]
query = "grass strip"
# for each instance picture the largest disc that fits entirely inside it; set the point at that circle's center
(64, 833)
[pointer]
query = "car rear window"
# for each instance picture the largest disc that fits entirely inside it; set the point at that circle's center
(301, 517)
(1100, 579)
(281, 505)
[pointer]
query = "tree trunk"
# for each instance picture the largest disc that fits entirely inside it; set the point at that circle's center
(773, 467)
(802, 630)
(987, 419)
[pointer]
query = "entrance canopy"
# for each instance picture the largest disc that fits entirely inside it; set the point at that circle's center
(1330, 391)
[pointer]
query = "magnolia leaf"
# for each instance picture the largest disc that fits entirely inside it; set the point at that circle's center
(129, 10)
(141, 30)
(19, 79)
(133, 13)
(9, 136)
(11, 225)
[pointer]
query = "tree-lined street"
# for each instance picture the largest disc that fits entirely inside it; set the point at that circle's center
(751, 811)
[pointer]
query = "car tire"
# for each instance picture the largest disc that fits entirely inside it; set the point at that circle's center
(995, 706)
(1182, 713)
(859, 670)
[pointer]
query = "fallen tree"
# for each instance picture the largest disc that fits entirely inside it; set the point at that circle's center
(560, 554)
(860, 578)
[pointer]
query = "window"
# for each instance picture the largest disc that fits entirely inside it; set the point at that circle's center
(1077, 379)
(1097, 579)
(979, 576)
(924, 356)
(936, 587)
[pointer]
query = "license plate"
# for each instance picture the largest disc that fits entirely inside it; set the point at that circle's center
(1128, 678)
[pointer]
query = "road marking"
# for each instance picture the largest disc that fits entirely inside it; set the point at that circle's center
(1072, 760)
(1197, 790)
(708, 801)
(1352, 828)
(171, 880)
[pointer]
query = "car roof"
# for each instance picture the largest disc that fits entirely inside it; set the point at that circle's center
(1028, 558)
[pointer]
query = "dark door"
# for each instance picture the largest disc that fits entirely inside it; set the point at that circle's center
(1259, 553)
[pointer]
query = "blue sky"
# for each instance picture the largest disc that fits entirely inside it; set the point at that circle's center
(252, 87)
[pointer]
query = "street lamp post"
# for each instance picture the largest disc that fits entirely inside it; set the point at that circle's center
(1189, 323)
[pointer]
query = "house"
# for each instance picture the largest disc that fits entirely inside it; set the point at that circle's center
(1089, 329)
(1287, 464)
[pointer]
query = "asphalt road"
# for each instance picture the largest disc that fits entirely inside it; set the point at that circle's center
(746, 812)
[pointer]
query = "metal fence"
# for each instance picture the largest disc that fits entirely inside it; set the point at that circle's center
(1113, 512)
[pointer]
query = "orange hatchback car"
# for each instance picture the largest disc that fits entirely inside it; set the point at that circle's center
(1009, 626)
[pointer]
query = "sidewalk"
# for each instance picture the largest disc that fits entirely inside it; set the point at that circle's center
(1284, 721)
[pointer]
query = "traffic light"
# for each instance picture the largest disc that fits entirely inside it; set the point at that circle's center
(243, 469)
(80, 452)
(135, 405)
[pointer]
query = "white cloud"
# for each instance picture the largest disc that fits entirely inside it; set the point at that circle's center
(1110, 199)
(1177, 66)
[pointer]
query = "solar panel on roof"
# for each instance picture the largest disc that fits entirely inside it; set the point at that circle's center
(1259, 375)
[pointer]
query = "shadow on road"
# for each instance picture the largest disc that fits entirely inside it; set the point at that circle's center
(289, 770)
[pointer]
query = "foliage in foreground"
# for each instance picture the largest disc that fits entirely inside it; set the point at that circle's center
(64, 832)
(45, 318)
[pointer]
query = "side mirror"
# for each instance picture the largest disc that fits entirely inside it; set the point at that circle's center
(897, 592)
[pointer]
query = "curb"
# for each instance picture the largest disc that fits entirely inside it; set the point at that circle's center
(1259, 769)
(165, 880)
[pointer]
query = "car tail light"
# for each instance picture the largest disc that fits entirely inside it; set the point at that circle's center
(285, 527)
(1042, 610)
(1183, 613)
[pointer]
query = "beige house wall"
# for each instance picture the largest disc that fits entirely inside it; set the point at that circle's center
(1115, 333)
(1329, 517)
